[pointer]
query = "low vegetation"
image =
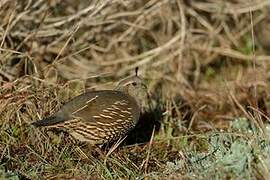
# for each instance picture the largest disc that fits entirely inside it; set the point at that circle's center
(207, 75)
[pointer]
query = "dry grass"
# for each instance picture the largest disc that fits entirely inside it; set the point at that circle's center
(203, 66)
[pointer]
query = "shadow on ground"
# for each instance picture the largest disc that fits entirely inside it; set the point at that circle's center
(143, 131)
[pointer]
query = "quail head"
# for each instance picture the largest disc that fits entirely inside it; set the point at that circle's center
(101, 116)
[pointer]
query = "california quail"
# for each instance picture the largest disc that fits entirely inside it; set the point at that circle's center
(101, 116)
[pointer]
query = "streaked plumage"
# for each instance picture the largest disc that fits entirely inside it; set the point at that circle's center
(101, 116)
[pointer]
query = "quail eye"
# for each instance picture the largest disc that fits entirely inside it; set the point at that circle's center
(134, 83)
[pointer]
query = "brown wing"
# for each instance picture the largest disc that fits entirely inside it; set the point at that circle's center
(103, 107)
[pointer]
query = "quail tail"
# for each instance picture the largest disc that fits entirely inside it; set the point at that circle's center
(49, 121)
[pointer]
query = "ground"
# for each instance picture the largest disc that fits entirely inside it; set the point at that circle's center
(205, 63)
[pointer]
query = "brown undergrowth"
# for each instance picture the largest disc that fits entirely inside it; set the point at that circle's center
(201, 60)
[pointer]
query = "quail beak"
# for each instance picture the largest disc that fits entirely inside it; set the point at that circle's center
(144, 86)
(146, 89)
